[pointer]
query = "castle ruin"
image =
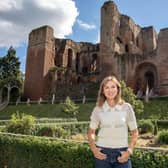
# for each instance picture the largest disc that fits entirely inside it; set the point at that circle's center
(137, 55)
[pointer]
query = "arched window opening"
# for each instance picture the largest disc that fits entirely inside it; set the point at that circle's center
(137, 42)
(94, 63)
(69, 64)
(126, 48)
(119, 40)
(133, 39)
(85, 70)
(77, 62)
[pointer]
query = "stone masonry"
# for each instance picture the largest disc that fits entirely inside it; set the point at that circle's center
(137, 55)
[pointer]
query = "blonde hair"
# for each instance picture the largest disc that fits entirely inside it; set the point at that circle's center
(101, 98)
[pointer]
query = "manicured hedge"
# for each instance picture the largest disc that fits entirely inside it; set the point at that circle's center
(45, 120)
(146, 158)
(162, 124)
(31, 152)
(34, 152)
(72, 127)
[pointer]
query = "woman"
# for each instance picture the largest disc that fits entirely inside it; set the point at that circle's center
(113, 117)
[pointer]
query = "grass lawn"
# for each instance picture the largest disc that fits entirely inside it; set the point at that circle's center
(154, 109)
(47, 111)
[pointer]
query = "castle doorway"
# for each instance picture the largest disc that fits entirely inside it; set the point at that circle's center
(146, 77)
(149, 79)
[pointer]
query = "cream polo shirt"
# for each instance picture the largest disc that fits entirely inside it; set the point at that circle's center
(114, 123)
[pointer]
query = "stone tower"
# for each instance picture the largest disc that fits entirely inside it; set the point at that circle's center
(40, 58)
(162, 62)
(109, 31)
(137, 55)
(109, 24)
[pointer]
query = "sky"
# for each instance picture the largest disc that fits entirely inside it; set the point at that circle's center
(78, 20)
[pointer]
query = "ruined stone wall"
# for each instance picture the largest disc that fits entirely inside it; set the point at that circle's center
(149, 36)
(59, 50)
(133, 54)
(162, 61)
(129, 33)
(79, 54)
(66, 53)
(88, 54)
(40, 58)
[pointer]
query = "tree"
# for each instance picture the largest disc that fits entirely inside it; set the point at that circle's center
(70, 107)
(9, 65)
(9, 72)
(130, 97)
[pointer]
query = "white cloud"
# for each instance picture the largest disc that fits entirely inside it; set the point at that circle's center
(7, 5)
(85, 26)
(19, 17)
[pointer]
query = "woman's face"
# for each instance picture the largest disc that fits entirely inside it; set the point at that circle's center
(110, 90)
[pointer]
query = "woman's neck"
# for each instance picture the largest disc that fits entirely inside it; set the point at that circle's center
(111, 103)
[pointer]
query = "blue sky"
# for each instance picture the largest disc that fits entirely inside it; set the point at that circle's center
(78, 20)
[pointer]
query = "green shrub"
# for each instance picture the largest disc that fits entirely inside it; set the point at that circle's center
(76, 127)
(45, 131)
(162, 124)
(54, 120)
(23, 124)
(155, 109)
(130, 97)
(70, 107)
(149, 159)
(52, 131)
(61, 130)
(163, 137)
(145, 126)
(155, 128)
(36, 152)
(33, 152)
(61, 133)
(2, 129)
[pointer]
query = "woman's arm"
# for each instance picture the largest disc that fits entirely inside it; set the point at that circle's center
(125, 155)
(93, 147)
(134, 137)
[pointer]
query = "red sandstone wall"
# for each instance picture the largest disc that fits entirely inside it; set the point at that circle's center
(40, 58)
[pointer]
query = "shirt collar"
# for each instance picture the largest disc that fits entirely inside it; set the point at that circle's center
(106, 107)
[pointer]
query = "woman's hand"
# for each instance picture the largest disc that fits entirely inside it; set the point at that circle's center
(124, 157)
(96, 151)
(98, 154)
